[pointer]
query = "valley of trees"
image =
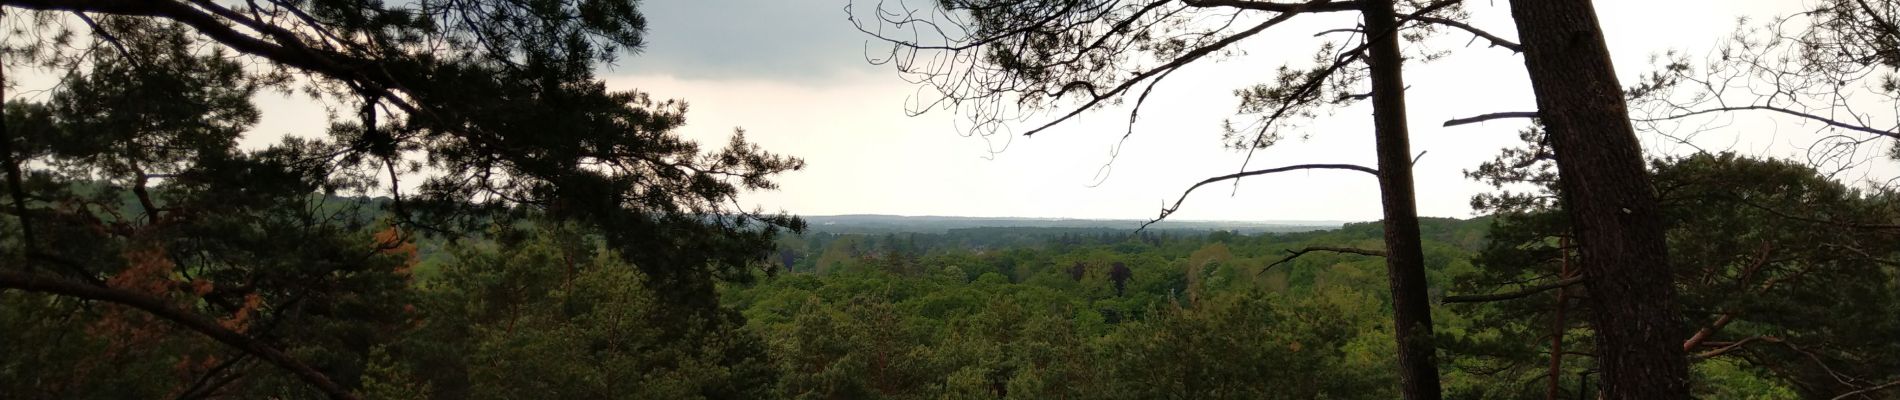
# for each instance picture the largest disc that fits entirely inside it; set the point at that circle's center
(484, 218)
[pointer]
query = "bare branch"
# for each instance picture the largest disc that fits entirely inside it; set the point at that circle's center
(1491, 116)
(1702, 335)
(1292, 254)
(1277, 7)
(1480, 298)
(1177, 203)
(1829, 121)
(1177, 63)
(1339, 61)
(1870, 389)
(1496, 41)
(1731, 346)
(1340, 30)
(105, 35)
(160, 308)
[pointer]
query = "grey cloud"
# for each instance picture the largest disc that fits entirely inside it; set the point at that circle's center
(801, 41)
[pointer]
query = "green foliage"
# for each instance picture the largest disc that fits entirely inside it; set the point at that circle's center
(1784, 273)
(541, 318)
(128, 179)
(952, 319)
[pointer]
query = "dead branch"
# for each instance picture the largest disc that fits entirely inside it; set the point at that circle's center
(1491, 116)
(1870, 389)
(1177, 63)
(1165, 212)
(1496, 41)
(1702, 335)
(1731, 346)
(1292, 254)
(1278, 7)
(1803, 115)
(1480, 298)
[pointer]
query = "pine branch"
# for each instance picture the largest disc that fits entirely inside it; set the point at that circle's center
(157, 307)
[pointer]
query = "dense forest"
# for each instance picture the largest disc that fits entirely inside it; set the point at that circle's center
(548, 310)
(482, 217)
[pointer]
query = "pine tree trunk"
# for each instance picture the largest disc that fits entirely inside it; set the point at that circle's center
(1607, 194)
(1404, 258)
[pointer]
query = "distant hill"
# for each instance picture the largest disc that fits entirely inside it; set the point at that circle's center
(873, 223)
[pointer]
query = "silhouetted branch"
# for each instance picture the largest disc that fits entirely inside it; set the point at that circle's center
(1292, 254)
(1177, 63)
(281, 46)
(1479, 298)
(1339, 30)
(1341, 60)
(1496, 41)
(160, 308)
(1491, 116)
(1825, 120)
(1278, 7)
(106, 36)
(1165, 212)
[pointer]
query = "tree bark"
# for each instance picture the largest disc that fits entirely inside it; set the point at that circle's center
(1607, 194)
(1404, 259)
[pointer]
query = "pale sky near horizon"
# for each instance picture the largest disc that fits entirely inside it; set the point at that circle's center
(793, 74)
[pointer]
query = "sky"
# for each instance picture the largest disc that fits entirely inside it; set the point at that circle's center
(793, 74)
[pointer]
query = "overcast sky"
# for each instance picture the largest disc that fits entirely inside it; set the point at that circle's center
(793, 74)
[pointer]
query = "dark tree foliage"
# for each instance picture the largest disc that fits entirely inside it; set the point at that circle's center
(1781, 271)
(132, 211)
(1120, 275)
(492, 105)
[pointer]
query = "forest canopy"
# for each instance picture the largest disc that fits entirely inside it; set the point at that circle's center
(482, 216)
